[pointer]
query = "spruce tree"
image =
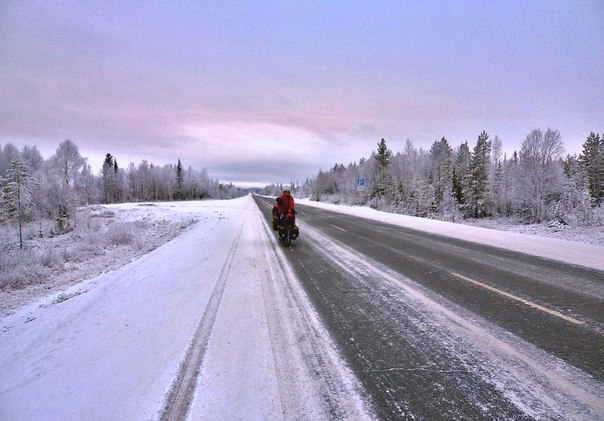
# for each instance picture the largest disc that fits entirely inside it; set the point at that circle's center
(383, 159)
(479, 177)
(178, 194)
(592, 161)
(441, 170)
(461, 172)
(109, 179)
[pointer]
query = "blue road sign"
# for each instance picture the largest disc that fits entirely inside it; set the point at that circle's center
(360, 183)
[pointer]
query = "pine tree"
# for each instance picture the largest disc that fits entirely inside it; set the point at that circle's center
(479, 177)
(592, 160)
(16, 193)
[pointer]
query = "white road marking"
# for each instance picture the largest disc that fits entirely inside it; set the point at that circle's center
(341, 229)
(519, 299)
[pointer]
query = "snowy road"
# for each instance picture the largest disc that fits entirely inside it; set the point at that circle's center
(215, 312)
(357, 320)
(435, 327)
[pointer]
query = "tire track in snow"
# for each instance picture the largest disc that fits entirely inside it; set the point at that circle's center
(293, 322)
(183, 389)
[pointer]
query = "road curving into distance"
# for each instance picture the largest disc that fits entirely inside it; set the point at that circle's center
(436, 327)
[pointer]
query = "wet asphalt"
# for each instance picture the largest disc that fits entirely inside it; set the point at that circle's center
(410, 366)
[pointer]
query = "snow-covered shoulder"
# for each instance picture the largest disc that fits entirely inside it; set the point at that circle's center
(572, 252)
(116, 346)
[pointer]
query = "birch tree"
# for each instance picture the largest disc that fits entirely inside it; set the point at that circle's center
(66, 163)
(540, 171)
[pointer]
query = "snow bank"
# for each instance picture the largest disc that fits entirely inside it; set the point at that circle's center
(109, 348)
(572, 252)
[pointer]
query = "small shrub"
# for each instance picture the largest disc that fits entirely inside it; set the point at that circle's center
(51, 258)
(141, 243)
(21, 276)
(68, 253)
(20, 268)
(120, 234)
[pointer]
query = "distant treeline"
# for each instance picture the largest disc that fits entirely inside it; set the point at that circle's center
(537, 183)
(34, 188)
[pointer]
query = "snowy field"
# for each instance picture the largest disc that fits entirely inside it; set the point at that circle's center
(105, 238)
(110, 342)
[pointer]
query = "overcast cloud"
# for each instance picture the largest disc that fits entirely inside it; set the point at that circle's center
(260, 92)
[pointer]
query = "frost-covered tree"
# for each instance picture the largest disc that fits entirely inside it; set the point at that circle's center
(461, 173)
(495, 174)
(16, 193)
(477, 188)
(449, 207)
(592, 160)
(407, 167)
(503, 190)
(421, 201)
(86, 186)
(178, 189)
(382, 187)
(32, 157)
(109, 176)
(575, 205)
(540, 172)
(66, 164)
(8, 153)
(441, 170)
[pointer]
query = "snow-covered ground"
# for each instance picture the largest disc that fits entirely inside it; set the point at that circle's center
(105, 239)
(112, 346)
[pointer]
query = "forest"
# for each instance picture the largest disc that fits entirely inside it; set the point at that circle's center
(538, 183)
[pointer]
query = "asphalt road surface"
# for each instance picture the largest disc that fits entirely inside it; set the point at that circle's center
(439, 328)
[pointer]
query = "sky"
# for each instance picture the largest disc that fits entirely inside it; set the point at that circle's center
(262, 92)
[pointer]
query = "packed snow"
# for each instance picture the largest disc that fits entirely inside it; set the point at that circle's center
(112, 346)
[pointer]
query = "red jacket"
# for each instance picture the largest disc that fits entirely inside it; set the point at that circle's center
(285, 203)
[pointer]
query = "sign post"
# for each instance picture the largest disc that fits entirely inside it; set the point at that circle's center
(360, 184)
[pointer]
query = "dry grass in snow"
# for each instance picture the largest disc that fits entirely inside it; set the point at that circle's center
(105, 238)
